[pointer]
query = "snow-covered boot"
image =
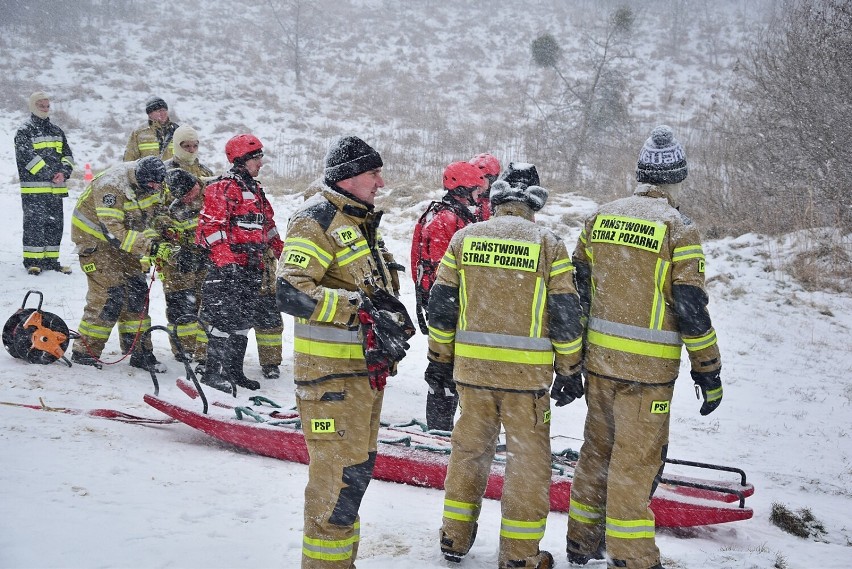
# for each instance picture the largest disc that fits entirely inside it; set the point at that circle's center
(236, 355)
(214, 370)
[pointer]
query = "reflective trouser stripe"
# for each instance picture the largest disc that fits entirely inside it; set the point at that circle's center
(629, 529)
(517, 529)
(695, 344)
(272, 340)
(442, 336)
(189, 330)
(714, 394)
(94, 331)
(134, 326)
(461, 511)
(583, 513)
(330, 550)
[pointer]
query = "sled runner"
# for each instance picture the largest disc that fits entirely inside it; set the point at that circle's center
(408, 455)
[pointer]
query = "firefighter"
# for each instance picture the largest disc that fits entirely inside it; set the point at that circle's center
(504, 316)
(640, 275)
(155, 137)
(237, 226)
(331, 267)
(463, 184)
(183, 276)
(490, 167)
(45, 163)
(110, 228)
(182, 280)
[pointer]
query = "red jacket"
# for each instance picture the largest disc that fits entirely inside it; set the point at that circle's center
(432, 236)
(236, 222)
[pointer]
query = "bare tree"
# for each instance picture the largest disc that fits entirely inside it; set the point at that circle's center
(794, 138)
(295, 20)
(594, 101)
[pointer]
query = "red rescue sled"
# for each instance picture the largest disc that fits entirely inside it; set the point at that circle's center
(411, 456)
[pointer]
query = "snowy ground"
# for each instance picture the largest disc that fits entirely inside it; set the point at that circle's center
(83, 492)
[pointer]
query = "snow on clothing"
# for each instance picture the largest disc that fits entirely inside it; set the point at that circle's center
(236, 225)
(42, 151)
(331, 247)
(151, 139)
(110, 228)
(184, 276)
(432, 236)
(640, 274)
(504, 362)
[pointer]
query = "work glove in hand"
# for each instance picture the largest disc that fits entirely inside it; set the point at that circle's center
(711, 389)
(391, 323)
(439, 376)
(567, 388)
(378, 362)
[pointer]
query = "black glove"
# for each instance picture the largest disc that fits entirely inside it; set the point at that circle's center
(567, 388)
(391, 323)
(711, 389)
(439, 376)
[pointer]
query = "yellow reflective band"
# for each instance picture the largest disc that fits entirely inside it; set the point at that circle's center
(328, 350)
(309, 248)
(271, 340)
(34, 254)
(583, 513)
(148, 146)
(500, 253)
(658, 306)
(561, 266)
(38, 166)
(687, 252)
(329, 305)
(449, 260)
(508, 355)
(517, 529)
(659, 407)
(82, 226)
(461, 511)
(714, 394)
(322, 425)
(330, 550)
(568, 348)
(133, 326)
(442, 336)
(94, 331)
(633, 346)
(54, 144)
(630, 231)
(538, 304)
(356, 251)
(462, 325)
(629, 529)
(129, 240)
(187, 330)
(297, 258)
(109, 212)
(696, 344)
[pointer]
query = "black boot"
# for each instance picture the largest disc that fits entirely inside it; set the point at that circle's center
(234, 362)
(214, 370)
(440, 411)
(145, 359)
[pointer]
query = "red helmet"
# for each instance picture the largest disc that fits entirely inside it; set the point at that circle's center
(242, 145)
(489, 165)
(462, 175)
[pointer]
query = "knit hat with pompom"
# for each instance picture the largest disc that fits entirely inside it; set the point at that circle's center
(662, 159)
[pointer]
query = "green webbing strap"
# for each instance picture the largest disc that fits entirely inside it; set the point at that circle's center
(260, 400)
(240, 411)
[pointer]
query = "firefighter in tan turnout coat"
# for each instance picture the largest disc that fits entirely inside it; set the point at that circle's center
(331, 253)
(503, 316)
(110, 229)
(640, 275)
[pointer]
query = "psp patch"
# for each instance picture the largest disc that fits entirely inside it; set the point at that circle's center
(109, 200)
(660, 407)
(346, 235)
(296, 258)
(322, 425)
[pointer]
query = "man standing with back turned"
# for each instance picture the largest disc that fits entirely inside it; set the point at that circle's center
(640, 275)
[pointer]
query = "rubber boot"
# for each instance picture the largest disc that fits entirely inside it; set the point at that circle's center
(236, 354)
(214, 370)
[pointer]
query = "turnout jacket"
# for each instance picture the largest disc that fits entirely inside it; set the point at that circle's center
(640, 274)
(114, 211)
(236, 223)
(504, 309)
(41, 151)
(331, 252)
(151, 139)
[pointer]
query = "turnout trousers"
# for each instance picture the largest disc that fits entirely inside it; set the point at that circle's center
(43, 226)
(526, 489)
(340, 419)
(626, 439)
(117, 293)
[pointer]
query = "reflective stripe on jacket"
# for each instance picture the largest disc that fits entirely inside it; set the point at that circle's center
(504, 308)
(109, 211)
(640, 269)
(151, 139)
(331, 251)
(41, 151)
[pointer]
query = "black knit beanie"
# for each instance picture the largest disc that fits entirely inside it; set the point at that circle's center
(520, 175)
(662, 159)
(348, 157)
(155, 104)
(180, 182)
